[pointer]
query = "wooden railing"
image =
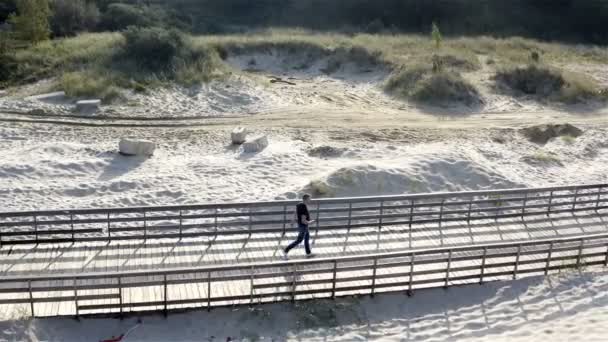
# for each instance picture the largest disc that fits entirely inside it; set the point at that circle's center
(120, 292)
(187, 221)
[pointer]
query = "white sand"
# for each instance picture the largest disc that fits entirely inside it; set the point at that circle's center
(46, 166)
(67, 166)
(565, 307)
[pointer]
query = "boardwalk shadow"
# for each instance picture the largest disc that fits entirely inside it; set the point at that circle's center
(464, 312)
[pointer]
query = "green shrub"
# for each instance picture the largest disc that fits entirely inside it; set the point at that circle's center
(568, 139)
(547, 83)
(421, 84)
(531, 80)
(403, 81)
(88, 84)
(445, 88)
(153, 48)
(73, 16)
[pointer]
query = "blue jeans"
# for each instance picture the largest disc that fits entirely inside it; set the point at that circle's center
(302, 235)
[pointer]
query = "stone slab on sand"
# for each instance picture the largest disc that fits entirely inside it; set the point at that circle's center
(88, 106)
(54, 97)
(239, 135)
(136, 147)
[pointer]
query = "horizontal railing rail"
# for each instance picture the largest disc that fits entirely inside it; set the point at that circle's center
(188, 221)
(252, 283)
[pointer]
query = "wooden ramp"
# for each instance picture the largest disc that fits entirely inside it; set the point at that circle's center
(362, 246)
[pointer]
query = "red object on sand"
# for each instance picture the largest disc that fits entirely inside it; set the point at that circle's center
(114, 339)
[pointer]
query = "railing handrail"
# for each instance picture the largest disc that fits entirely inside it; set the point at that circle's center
(291, 263)
(360, 199)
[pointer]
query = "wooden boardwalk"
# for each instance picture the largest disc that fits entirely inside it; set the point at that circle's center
(134, 255)
(116, 276)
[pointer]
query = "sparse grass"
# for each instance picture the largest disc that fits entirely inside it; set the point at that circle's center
(422, 85)
(446, 88)
(320, 189)
(409, 56)
(88, 84)
(545, 157)
(97, 65)
(568, 139)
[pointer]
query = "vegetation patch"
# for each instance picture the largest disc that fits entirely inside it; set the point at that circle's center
(542, 158)
(99, 65)
(547, 83)
(88, 84)
(423, 85)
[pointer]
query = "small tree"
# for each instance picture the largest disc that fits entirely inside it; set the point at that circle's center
(436, 35)
(32, 21)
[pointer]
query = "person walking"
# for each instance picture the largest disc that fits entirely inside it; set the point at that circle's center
(303, 218)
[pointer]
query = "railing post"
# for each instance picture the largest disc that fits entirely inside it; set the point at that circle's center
(498, 205)
(516, 267)
(165, 294)
(251, 284)
(215, 221)
(294, 283)
(72, 226)
(284, 220)
(580, 253)
(550, 203)
(441, 218)
(441, 211)
(549, 255)
(180, 225)
(36, 228)
(606, 258)
(76, 299)
(374, 276)
(411, 213)
(120, 296)
(469, 210)
(109, 231)
(333, 285)
(29, 286)
(381, 214)
(350, 213)
(597, 201)
(145, 227)
(447, 271)
(208, 291)
(574, 200)
(317, 221)
(483, 265)
(523, 207)
(250, 220)
(409, 290)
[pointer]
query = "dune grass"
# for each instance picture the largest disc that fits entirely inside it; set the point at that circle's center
(102, 55)
(547, 84)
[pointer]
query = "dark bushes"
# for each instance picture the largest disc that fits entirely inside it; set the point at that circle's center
(73, 16)
(153, 47)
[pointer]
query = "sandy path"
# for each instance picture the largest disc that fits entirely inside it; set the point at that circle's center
(323, 118)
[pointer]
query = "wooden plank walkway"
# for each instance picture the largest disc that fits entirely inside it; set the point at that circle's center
(117, 260)
(223, 250)
(124, 256)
